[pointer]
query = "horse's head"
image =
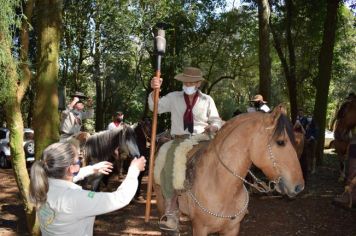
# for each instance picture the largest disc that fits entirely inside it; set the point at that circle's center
(273, 152)
(345, 119)
(102, 146)
(146, 124)
(127, 141)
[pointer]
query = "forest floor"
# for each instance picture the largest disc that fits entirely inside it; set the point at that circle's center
(310, 213)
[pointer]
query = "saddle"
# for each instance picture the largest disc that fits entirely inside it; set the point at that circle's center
(184, 154)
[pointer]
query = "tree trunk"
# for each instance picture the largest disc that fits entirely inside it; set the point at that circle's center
(264, 57)
(46, 117)
(291, 79)
(324, 77)
(289, 66)
(99, 114)
(14, 116)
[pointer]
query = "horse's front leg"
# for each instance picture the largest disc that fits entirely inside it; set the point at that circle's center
(342, 176)
(231, 231)
(199, 229)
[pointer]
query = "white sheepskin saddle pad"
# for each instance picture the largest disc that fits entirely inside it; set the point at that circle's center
(180, 159)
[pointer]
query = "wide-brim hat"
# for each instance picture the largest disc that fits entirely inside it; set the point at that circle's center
(258, 98)
(190, 74)
(79, 95)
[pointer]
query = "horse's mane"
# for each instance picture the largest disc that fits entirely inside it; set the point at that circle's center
(102, 145)
(341, 112)
(283, 123)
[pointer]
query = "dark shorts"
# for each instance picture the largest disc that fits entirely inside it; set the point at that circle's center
(352, 151)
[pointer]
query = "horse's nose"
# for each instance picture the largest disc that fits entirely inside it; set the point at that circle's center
(299, 188)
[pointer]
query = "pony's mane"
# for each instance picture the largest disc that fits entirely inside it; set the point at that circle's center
(102, 145)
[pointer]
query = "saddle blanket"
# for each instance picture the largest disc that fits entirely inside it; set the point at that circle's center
(180, 159)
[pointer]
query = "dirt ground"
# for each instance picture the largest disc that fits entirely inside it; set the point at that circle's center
(311, 213)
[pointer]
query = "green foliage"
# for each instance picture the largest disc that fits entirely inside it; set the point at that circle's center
(223, 44)
(9, 22)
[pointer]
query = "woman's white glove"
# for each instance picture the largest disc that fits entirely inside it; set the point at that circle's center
(103, 167)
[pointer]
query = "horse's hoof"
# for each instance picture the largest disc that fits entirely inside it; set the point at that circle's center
(344, 201)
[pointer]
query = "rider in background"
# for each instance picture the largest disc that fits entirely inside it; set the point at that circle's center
(258, 104)
(118, 119)
(72, 117)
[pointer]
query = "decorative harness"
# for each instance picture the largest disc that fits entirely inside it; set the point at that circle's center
(261, 186)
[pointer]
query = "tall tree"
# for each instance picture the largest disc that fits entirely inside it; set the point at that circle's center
(263, 45)
(288, 60)
(15, 92)
(46, 118)
(325, 69)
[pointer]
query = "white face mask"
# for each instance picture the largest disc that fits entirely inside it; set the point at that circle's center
(189, 90)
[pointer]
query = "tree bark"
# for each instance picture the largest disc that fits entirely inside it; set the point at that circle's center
(325, 69)
(46, 117)
(289, 66)
(14, 117)
(99, 114)
(264, 57)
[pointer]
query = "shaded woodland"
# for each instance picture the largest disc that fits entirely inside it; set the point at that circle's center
(299, 52)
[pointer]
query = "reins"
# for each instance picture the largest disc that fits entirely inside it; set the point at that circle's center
(260, 185)
(147, 137)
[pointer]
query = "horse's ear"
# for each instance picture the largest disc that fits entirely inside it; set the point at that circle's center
(277, 112)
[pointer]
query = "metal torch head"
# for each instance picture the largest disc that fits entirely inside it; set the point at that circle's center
(160, 42)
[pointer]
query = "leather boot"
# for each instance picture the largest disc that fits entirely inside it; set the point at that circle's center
(170, 220)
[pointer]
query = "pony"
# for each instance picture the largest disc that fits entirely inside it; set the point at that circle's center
(345, 121)
(142, 130)
(106, 146)
(215, 198)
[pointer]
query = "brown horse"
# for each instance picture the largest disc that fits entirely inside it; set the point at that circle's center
(345, 121)
(217, 199)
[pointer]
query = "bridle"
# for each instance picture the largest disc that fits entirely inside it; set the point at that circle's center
(260, 185)
(145, 132)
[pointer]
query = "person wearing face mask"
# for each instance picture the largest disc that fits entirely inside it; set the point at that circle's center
(73, 116)
(192, 113)
(64, 208)
(258, 104)
(117, 120)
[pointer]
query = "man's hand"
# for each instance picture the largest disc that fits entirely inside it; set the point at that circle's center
(140, 163)
(74, 101)
(211, 129)
(156, 83)
(103, 167)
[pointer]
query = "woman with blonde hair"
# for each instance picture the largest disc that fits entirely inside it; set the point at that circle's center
(63, 207)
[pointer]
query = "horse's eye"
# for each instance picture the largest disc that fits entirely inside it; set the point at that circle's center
(281, 143)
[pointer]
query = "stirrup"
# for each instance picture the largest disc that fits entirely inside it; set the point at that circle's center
(163, 226)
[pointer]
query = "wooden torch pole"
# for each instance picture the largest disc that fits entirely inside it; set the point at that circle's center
(160, 46)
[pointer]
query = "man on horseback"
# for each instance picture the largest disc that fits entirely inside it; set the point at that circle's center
(258, 104)
(72, 117)
(192, 112)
